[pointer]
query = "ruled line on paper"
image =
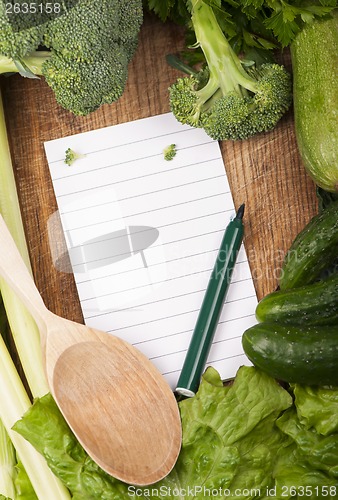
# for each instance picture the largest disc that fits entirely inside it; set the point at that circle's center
(170, 279)
(191, 330)
(154, 209)
(171, 241)
(158, 227)
(142, 235)
(168, 260)
(89, 188)
(183, 350)
(193, 311)
(153, 302)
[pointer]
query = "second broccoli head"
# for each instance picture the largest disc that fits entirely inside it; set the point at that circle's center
(227, 100)
(89, 46)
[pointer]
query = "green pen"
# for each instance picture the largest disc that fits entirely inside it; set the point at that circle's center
(212, 304)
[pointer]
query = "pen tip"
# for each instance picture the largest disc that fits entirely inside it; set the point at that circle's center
(240, 212)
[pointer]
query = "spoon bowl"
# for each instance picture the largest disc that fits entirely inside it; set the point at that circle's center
(114, 399)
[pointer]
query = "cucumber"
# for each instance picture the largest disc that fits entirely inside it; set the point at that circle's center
(314, 249)
(315, 304)
(295, 354)
(314, 56)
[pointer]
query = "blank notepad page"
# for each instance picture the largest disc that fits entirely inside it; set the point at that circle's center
(142, 236)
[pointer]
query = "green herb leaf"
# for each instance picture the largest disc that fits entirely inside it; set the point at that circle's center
(162, 8)
(284, 26)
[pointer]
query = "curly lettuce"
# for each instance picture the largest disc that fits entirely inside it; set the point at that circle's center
(249, 439)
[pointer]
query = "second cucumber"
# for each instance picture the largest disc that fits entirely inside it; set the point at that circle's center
(314, 249)
(315, 304)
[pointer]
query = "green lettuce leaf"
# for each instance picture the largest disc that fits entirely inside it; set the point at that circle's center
(293, 473)
(320, 452)
(45, 428)
(241, 420)
(230, 441)
(317, 407)
(250, 439)
(246, 440)
(23, 486)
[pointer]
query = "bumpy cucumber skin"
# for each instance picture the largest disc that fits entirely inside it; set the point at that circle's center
(315, 304)
(314, 55)
(295, 354)
(314, 249)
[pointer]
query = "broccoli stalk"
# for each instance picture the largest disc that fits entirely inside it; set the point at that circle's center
(226, 70)
(235, 103)
(28, 66)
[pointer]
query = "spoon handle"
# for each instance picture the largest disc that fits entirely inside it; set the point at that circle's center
(14, 271)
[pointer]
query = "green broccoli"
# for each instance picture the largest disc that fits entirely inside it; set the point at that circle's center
(83, 51)
(169, 152)
(234, 103)
(71, 156)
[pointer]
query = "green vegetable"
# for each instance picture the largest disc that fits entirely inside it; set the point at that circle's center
(229, 440)
(14, 400)
(90, 44)
(319, 451)
(23, 327)
(315, 95)
(169, 152)
(317, 408)
(294, 353)
(7, 453)
(325, 198)
(310, 423)
(314, 249)
(315, 304)
(71, 156)
(7, 464)
(238, 438)
(252, 26)
(234, 103)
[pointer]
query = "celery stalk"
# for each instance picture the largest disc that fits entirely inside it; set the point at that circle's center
(23, 327)
(14, 402)
(7, 464)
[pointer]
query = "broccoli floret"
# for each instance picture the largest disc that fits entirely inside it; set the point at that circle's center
(82, 86)
(86, 49)
(169, 152)
(71, 156)
(234, 103)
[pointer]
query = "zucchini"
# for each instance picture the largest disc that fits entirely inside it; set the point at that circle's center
(314, 249)
(315, 304)
(314, 56)
(295, 354)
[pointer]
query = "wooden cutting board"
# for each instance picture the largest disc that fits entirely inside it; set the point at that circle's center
(265, 172)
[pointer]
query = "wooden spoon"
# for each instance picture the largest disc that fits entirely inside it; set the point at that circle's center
(118, 405)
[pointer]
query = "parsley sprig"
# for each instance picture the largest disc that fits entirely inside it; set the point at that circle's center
(251, 25)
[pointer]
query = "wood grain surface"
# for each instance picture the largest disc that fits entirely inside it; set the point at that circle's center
(265, 172)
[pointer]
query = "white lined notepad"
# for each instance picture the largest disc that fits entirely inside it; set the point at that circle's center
(143, 234)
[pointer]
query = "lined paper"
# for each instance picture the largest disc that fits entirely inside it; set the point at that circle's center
(142, 236)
